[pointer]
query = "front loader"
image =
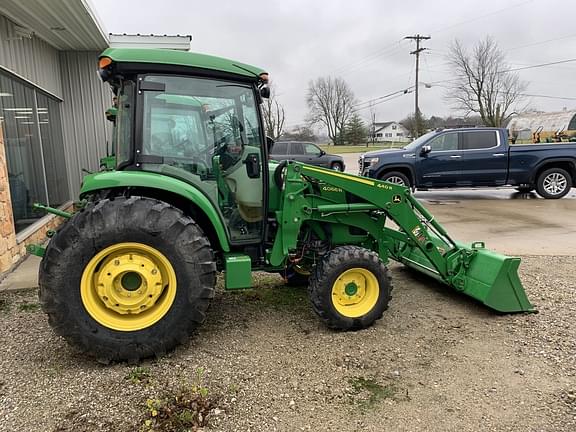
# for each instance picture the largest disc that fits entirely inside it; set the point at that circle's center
(191, 192)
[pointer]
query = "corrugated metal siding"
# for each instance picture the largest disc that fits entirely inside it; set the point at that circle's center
(85, 127)
(33, 59)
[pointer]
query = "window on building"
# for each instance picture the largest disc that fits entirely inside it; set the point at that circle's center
(393, 127)
(32, 132)
(379, 135)
(388, 134)
(399, 134)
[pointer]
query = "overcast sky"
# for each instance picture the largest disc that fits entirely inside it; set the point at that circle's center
(362, 42)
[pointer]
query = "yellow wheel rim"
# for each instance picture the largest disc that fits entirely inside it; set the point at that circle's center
(355, 292)
(128, 286)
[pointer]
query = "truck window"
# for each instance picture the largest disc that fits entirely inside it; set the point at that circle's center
(311, 149)
(296, 149)
(280, 148)
(474, 140)
(444, 142)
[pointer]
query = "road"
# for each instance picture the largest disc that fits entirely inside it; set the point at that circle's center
(506, 220)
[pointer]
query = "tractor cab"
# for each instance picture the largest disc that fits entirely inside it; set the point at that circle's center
(194, 118)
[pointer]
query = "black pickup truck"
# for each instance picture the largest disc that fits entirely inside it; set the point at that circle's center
(475, 157)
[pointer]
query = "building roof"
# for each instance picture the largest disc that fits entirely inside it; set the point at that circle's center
(64, 24)
(383, 124)
(181, 58)
(549, 122)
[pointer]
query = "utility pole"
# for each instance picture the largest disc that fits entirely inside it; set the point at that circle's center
(417, 52)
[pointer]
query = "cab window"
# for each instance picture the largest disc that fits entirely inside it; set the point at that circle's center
(444, 142)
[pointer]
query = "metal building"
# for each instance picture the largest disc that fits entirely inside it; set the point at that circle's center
(543, 127)
(52, 110)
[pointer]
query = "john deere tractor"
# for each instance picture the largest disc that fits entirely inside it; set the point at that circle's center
(191, 192)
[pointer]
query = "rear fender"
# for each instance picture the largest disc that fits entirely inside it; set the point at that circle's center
(139, 179)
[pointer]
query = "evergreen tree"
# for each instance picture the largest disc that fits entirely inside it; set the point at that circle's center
(355, 131)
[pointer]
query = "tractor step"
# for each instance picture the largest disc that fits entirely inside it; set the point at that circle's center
(237, 271)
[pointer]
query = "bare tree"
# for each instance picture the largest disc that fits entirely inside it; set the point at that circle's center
(330, 101)
(274, 116)
(483, 83)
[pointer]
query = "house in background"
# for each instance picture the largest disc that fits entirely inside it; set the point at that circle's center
(390, 132)
(52, 110)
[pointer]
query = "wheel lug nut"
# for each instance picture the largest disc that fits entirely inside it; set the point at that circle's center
(105, 298)
(116, 262)
(154, 271)
(143, 307)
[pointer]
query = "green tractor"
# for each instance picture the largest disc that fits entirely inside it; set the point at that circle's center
(191, 192)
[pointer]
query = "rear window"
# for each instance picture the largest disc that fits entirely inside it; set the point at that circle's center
(479, 140)
(279, 148)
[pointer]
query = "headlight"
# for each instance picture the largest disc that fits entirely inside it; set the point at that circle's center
(370, 161)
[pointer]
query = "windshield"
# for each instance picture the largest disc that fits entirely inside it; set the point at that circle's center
(419, 141)
(195, 117)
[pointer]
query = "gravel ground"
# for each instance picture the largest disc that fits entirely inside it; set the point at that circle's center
(436, 361)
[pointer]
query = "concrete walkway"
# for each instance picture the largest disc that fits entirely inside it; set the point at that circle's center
(25, 276)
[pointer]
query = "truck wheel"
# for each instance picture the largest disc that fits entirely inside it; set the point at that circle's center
(336, 166)
(126, 279)
(396, 177)
(350, 288)
(553, 183)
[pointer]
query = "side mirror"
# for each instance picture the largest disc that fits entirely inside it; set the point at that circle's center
(425, 150)
(252, 162)
(322, 152)
(265, 92)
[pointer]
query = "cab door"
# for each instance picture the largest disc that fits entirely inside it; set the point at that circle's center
(484, 159)
(441, 167)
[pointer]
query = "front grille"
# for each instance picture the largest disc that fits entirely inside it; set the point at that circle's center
(360, 165)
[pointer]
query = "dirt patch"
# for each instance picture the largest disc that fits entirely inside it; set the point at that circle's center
(436, 361)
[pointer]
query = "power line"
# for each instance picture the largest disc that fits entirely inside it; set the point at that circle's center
(539, 65)
(480, 17)
(541, 42)
(370, 57)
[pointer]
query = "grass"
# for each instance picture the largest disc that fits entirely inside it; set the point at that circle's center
(358, 148)
(28, 307)
(139, 375)
(4, 306)
(185, 409)
(368, 392)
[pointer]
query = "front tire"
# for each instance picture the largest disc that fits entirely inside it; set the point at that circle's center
(350, 288)
(397, 178)
(127, 279)
(553, 183)
(336, 166)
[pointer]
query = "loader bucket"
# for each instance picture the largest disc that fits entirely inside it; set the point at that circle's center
(491, 278)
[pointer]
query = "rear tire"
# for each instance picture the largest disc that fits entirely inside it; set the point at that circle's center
(350, 288)
(144, 296)
(397, 178)
(553, 183)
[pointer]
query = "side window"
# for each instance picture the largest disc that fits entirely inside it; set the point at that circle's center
(296, 149)
(311, 150)
(479, 140)
(444, 142)
(280, 148)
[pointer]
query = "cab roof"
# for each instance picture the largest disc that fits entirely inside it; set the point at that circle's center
(182, 59)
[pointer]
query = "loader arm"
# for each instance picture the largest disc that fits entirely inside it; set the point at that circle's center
(418, 241)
